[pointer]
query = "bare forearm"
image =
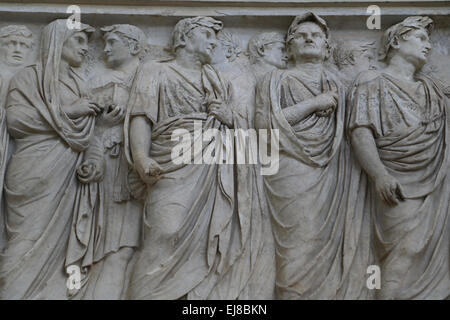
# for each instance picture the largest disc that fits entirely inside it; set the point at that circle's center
(298, 112)
(366, 152)
(140, 137)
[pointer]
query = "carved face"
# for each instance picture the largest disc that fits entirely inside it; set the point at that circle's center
(220, 53)
(15, 50)
(116, 50)
(75, 49)
(275, 54)
(309, 43)
(363, 58)
(201, 41)
(414, 47)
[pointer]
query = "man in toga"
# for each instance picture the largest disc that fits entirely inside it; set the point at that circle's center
(320, 246)
(399, 130)
(198, 224)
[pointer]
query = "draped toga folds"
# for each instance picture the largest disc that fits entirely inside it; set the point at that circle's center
(40, 182)
(412, 141)
(321, 235)
(201, 239)
(40, 190)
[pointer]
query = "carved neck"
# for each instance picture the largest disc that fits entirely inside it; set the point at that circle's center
(188, 60)
(313, 69)
(262, 65)
(129, 66)
(401, 68)
(260, 68)
(64, 68)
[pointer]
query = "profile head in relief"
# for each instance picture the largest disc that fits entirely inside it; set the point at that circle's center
(16, 43)
(62, 44)
(196, 38)
(308, 39)
(122, 43)
(268, 48)
(408, 40)
(227, 48)
(354, 53)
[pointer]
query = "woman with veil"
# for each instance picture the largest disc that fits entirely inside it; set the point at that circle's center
(51, 119)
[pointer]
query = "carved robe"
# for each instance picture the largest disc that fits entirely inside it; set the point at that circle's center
(321, 238)
(40, 182)
(412, 142)
(261, 284)
(4, 144)
(111, 218)
(122, 214)
(201, 239)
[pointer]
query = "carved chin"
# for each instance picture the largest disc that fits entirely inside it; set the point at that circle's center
(313, 53)
(15, 60)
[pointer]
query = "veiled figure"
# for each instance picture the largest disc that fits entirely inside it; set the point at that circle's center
(321, 237)
(399, 129)
(107, 226)
(50, 118)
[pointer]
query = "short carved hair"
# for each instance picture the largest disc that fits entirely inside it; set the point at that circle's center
(400, 30)
(345, 49)
(232, 42)
(260, 40)
(16, 30)
(130, 34)
(307, 17)
(184, 26)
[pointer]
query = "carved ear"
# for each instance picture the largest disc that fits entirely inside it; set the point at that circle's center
(327, 50)
(182, 39)
(352, 59)
(260, 50)
(395, 43)
(136, 48)
(229, 52)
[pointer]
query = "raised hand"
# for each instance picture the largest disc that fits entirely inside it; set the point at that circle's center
(112, 116)
(325, 102)
(80, 108)
(221, 111)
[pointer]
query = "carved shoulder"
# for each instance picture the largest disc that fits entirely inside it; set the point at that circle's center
(366, 76)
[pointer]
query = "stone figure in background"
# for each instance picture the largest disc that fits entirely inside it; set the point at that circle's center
(352, 57)
(267, 51)
(117, 214)
(198, 223)
(50, 117)
(16, 43)
(237, 72)
(399, 130)
(318, 230)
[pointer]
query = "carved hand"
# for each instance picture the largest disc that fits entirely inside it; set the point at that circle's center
(325, 113)
(91, 170)
(148, 169)
(112, 116)
(221, 111)
(325, 102)
(80, 108)
(389, 189)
